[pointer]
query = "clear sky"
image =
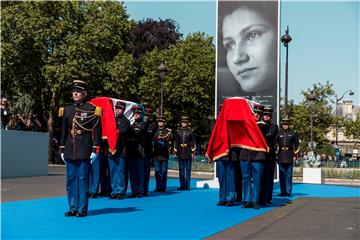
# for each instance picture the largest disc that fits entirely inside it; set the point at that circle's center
(325, 45)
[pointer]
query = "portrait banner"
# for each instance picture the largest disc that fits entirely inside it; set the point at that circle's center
(247, 52)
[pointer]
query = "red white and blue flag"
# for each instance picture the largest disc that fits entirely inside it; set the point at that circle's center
(108, 123)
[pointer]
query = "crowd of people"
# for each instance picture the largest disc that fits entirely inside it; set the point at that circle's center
(93, 168)
(16, 121)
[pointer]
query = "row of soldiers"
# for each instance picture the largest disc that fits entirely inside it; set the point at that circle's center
(137, 145)
(247, 175)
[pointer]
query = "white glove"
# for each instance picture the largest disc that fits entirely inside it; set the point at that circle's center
(62, 157)
(93, 157)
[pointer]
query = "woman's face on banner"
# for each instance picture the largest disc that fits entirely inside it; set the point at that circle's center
(250, 42)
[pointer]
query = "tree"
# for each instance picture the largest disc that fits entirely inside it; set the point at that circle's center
(45, 45)
(322, 117)
(150, 34)
(352, 128)
(189, 84)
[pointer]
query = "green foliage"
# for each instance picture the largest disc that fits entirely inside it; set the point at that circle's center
(189, 83)
(352, 128)
(320, 109)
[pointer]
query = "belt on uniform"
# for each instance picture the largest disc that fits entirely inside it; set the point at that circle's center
(285, 148)
(77, 132)
(183, 145)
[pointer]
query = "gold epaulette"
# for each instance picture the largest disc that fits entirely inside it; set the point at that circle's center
(61, 112)
(98, 111)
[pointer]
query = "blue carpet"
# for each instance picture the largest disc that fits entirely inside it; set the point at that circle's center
(172, 215)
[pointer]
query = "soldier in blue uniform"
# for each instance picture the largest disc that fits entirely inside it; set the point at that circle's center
(79, 145)
(118, 168)
(267, 180)
(251, 163)
(162, 145)
(151, 128)
(288, 144)
(135, 151)
(184, 149)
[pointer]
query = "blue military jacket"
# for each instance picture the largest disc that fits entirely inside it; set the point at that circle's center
(81, 131)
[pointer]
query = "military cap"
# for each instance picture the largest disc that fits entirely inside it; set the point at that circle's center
(79, 84)
(258, 108)
(268, 110)
(161, 119)
(137, 109)
(120, 105)
(184, 119)
(286, 121)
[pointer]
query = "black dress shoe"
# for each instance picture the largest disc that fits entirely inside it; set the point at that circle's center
(81, 214)
(145, 194)
(120, 196)
(70, 213)
(247, 205)
(221, 203)
(255, 206)
(139, 196)
(93, 195)
(156, 190)
(181, 188)
(289, 195)
(113, 196)
(281, 195)
(230, 204)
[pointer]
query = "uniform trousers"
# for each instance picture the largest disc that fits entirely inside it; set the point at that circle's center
(147, 169)
(267, 182)
(285, 177)
(136, 169)
(251, 177)
(185, 173)
(118, 174)
(77, 184)
(161, 169)
(94, 176)
(104, 175)
(225, 170)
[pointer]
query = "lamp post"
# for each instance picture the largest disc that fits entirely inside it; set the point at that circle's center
(311, 98)
(336, 114)
(285, 39)
(162, 71)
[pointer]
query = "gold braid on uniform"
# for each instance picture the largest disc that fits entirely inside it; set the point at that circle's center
(91, 117)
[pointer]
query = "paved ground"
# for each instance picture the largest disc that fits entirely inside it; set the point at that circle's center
(304, 218)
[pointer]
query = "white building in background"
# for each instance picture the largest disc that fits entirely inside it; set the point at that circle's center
(349, 148)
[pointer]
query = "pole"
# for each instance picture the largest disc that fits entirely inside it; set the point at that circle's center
(161, 98)
(286, 82)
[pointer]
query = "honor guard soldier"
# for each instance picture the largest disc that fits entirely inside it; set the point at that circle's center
(135, 151)
(288, 144)
(151, 128)
(162, 146)
(118, 167)
(251, 163)
(184, 150)
(267, 181)
(79, 145)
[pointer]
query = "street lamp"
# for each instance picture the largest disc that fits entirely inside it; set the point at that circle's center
(336, 114)
(311, 98)
(162, 71)
(285, 39)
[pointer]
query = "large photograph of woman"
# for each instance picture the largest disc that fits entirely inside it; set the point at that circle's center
(247, 59)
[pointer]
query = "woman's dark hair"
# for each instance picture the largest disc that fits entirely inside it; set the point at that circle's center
(267, 9)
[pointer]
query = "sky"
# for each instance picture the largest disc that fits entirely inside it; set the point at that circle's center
(324, 47)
